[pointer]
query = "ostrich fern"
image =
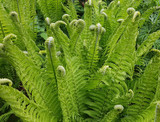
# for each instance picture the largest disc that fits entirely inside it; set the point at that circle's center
(88, 73)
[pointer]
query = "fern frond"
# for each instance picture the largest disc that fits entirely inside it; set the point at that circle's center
(7, 27)
(70, 9)
(60, 37)
(147, 44)
(26, 10)
(51, 9)
(71, 84)
(125, 50)
(144, 90)
(112, 115)
(4, 117)
(35, 81)
(23, 107)
(147, 13)
(32, 49)
(52, 60)
(74, 39)
(93, 49)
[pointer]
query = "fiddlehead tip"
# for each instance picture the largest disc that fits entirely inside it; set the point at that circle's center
(120, 20)
(103, 69)
(25, 52)
(130, 11)
(81, 23)
(157, 7)
(1, 46)
(103, 13)
(99, 28)
(156, 51)
(61, 71)
(57, 24)
(92, 27)
(14, 16)
(103, 30)
(130, 93)
(136, 16)
(72, 23)
(9, 37)
(58, 53)
(119, 108)
(118, 3)
(5, 80)
(66, 17)
(90, 2)
(48, 21)
(49, 42)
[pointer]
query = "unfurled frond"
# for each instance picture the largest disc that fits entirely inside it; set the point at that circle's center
(122, 67)
(29, 44)
(70, 9)
(51, 9)
(144, 91)
(147, 13)
(39, 88)
(147, 44)
(7, 27)
(26, 10)
(23, 107)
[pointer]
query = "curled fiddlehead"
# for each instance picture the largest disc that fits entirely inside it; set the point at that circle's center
(5, 80)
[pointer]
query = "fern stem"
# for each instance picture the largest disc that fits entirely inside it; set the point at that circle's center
(18, 11)
(50, 54)
(2, 29)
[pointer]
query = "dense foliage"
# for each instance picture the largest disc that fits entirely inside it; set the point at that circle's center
(98, 64)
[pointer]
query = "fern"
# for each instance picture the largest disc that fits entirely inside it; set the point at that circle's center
(87, 70)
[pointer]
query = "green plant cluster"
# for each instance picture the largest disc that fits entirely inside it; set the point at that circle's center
(89, 68)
